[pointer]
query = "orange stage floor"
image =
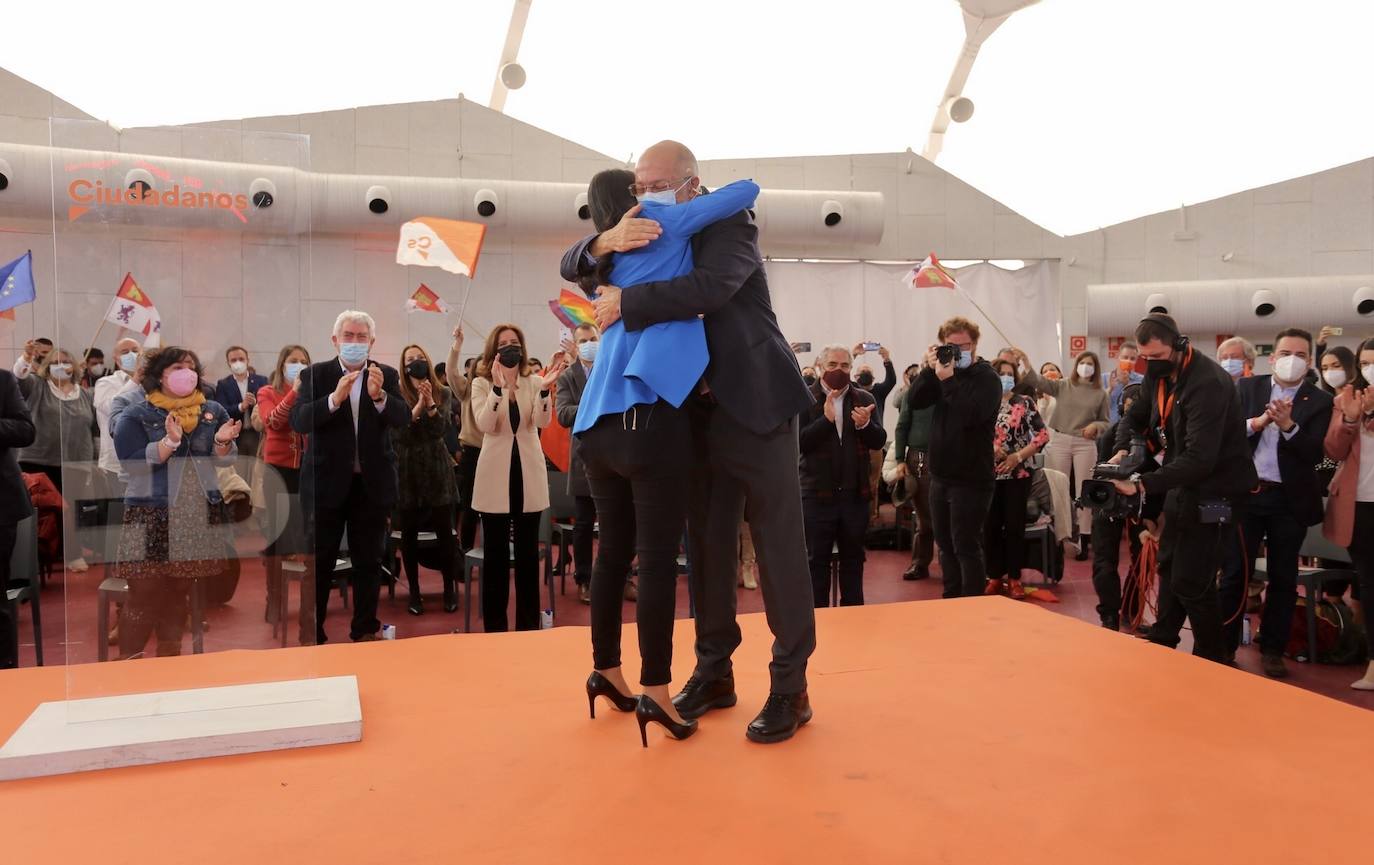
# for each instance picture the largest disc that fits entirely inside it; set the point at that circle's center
(973, 731)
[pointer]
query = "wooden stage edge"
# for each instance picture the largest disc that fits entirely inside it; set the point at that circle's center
(971, 731)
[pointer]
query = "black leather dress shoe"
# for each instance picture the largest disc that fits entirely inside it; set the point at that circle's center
(1111, 623)
(780, 718)
(700, 696)
(916, 572)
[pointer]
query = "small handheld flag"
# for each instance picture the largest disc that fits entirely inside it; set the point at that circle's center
(572, 309)
(448, 244)
(16, 284)
(133, 309)
(425, 300)
(930, 274)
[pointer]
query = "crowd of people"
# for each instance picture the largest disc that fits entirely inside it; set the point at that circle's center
(770, 473)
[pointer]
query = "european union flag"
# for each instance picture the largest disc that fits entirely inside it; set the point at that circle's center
(16, 282)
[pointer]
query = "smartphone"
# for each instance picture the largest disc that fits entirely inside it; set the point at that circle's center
(1338, 331)
(872, 346)
(801, 347)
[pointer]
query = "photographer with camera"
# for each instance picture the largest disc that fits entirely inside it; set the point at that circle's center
(1108, 526)
(1189, 410)
(966, 395)
(1288, 419)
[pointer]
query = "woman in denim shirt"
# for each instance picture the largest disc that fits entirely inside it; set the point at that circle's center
(170, 446)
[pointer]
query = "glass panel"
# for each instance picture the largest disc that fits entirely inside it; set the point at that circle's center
(186, 276)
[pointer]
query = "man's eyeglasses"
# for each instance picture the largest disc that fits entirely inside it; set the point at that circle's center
(638, 189)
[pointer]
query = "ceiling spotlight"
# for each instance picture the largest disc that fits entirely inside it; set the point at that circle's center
(959, 108)
(513, 76)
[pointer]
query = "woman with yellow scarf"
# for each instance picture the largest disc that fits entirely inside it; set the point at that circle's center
(173, 531)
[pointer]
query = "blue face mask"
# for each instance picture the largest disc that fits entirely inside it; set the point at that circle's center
(663, 196)
(292, 371)
(587, 351)
(353, 353)
(128, 361)
(1233, 365)
(1007, 383)
(965, 360)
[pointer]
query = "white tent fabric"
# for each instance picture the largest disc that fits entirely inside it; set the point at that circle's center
(846, 303)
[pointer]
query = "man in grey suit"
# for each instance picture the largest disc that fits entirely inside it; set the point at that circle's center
(586, 340)
(744, 420)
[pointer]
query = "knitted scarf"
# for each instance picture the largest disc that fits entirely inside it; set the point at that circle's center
(186, 409)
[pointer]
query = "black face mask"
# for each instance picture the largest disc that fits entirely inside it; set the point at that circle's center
(510, 355)
(865, 379)
(809, 379)
(418, 369)
(1159, 368)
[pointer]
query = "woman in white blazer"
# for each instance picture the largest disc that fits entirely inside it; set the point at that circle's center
(509, 406)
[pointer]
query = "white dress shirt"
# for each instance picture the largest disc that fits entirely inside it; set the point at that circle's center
(1267, 451)
(837, 404)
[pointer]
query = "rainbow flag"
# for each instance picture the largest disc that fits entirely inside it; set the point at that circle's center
(572, 309)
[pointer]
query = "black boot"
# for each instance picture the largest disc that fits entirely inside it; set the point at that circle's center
(1082, 549)
(1111, 623)
(450, 595)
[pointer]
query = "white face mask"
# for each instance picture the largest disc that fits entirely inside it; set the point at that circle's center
(1086, 370)
(1290, 368)
(96, 369)
(1336, 378)
(60, 371)
(238, 367)
(1368, 371)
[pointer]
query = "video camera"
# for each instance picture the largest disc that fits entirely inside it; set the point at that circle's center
(1100, 493)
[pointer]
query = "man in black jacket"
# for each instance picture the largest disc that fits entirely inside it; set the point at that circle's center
(1189, 410)
(967, 396)
(347, 407)
(745, 427)
(837, 435)
(1287, 421)
(16, 431)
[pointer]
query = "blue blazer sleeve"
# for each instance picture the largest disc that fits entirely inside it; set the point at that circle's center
(227, 395)
(706, 209)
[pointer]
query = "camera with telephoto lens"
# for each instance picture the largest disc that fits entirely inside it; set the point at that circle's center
(1100, 493)
(948, 353)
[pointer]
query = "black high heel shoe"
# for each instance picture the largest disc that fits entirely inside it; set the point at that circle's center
(648, 711)
(599, 686)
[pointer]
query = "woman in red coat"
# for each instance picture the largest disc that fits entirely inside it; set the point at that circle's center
(281, 449)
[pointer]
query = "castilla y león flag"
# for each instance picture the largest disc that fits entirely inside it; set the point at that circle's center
(133, 309)
(930, 274)
(425, 300)
(444, 243)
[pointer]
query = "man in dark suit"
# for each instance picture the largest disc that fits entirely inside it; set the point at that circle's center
(1189, 410)
(1287, 421)
(837, 435)
(745, 428)
(16, 431)
(238, 393)
(347, 406)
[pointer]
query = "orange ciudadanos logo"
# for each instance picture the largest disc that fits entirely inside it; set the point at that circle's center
(86, 194)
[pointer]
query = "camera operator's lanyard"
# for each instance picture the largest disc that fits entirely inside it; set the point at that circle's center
(1165, 406)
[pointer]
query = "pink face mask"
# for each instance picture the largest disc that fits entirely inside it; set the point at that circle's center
(180, 382)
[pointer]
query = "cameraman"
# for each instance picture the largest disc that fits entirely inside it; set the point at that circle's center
(1189, 409)
(1107, 528)
(966, 395)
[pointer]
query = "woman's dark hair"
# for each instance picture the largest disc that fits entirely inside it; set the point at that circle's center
(997, 366)
(1367, 345)
(608, 197)
(157, 361)
(1343, 356)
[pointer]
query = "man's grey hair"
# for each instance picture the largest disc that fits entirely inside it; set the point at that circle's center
(356, 316)
(834, 346)
(1131, 344)
(1245, 346)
